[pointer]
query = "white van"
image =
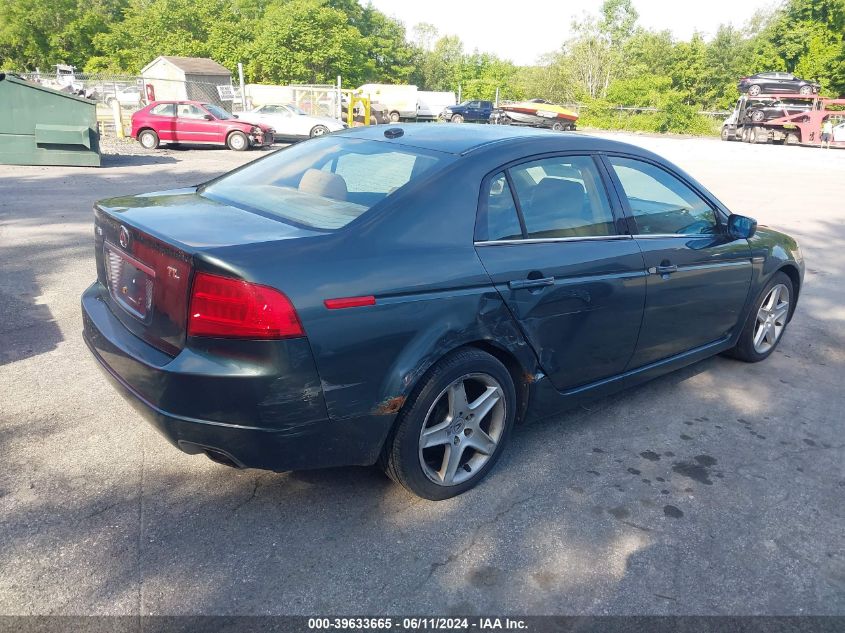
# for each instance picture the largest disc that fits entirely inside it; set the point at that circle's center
(431, 104)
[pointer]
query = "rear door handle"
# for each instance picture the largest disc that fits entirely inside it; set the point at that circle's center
(519, 284)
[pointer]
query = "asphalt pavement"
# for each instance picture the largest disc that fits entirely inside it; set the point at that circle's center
(715, 490)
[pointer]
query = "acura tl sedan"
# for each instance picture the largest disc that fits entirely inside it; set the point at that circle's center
(776, 82)
(405, 296)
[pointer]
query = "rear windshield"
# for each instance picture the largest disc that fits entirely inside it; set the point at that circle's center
(325, 183)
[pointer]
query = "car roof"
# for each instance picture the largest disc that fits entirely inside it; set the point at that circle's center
(463, 138)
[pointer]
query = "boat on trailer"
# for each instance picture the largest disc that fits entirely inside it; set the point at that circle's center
(535, 113)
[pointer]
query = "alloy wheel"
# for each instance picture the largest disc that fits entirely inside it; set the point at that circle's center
(462, 429)
(771, 319)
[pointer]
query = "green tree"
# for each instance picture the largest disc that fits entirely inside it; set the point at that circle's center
(34, 33)
(689, 68)
(157, 27)
(388, 55)
(309, 42)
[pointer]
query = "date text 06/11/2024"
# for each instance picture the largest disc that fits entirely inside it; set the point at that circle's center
(418, 624)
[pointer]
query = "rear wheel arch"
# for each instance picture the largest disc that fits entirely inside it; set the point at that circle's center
(523, 372)
(518, 372)
(522, 376)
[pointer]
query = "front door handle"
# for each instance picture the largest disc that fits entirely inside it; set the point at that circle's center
(519, 284)
(664, 270)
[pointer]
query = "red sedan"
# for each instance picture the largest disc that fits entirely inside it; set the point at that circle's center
(196, 122)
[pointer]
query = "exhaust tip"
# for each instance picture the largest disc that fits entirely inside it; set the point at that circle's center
(214, 454)
(219, 457)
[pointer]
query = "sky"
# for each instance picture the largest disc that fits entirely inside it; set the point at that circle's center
(498, 26)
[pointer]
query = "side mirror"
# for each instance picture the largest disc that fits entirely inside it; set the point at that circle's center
(235, 116)
(741, 227)
(208, 117)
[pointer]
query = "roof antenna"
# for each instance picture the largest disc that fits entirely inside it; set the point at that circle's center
(394, 132)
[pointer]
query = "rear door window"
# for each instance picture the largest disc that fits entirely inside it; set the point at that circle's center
(498, 218)
(562, 197)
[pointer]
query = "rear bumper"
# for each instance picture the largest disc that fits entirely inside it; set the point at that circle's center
(252, 404)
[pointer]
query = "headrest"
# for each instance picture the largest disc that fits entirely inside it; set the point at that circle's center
(558, 193)
(323, 183)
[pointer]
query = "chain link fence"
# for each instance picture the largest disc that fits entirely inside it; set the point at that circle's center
(133, 92)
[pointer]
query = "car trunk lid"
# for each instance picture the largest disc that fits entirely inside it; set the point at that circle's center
(147, 248)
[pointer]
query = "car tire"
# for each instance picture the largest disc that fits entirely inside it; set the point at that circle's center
(557, 126)
(780, 308)
(757, 116)
(457, 118)
(805, 90)
(754, 90)
(759, 136)
(148, 139)
(432, 452)
(792, 138)
(394, 117)
(318, 130)
(237, 141)
(726, 136)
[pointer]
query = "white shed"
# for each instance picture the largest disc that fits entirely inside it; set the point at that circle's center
(194, 78)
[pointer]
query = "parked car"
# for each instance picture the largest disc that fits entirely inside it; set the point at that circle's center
(195, 122)
(776, 82)
(289, 122)
(768, 109)
(750, 111)
(404, 296)
(470, 111)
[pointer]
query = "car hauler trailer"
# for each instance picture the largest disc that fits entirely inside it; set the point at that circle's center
(801, 128)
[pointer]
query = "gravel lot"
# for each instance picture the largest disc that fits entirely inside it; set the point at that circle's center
(716, 490)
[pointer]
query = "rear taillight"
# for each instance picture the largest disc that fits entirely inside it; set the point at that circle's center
(230, 308)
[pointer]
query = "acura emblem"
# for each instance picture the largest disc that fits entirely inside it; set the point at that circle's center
(123, 237)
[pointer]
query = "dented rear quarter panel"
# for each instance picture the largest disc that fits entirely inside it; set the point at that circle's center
(433, 294)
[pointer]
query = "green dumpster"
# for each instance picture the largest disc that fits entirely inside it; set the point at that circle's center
(41, 126)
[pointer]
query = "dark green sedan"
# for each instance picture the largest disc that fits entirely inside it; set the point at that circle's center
(406, 295)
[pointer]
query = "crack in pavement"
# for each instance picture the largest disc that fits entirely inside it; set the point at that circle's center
(475, 533)
(255, 483)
